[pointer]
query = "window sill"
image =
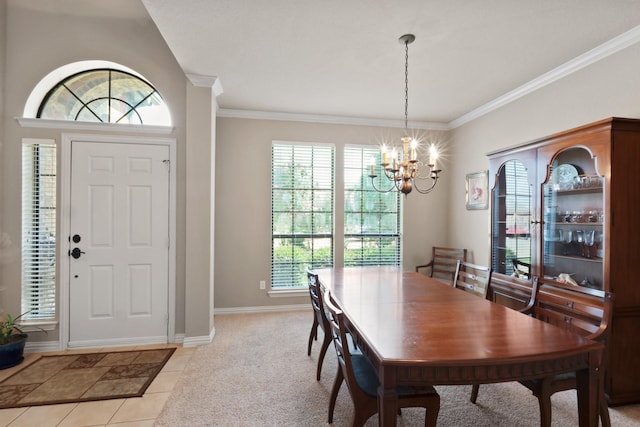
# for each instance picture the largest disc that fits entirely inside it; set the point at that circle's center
(289, 292)
(27, 122)
(38, 325)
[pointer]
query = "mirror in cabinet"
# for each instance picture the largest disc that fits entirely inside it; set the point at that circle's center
(511, 220)
(573, 218)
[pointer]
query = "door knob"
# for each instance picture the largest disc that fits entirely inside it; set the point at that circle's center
(75, 252)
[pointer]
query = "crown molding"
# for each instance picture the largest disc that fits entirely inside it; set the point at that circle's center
(327, 119)
(212, 82)
(596, 54)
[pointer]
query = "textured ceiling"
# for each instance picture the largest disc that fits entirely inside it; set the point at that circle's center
(342, 58)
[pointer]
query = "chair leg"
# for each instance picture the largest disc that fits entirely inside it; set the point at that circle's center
(334, 394)
(323, 352)
(431, 417)
(474, 393)
(544, 402)
(359, 418)
(604, 412)
(313, 334)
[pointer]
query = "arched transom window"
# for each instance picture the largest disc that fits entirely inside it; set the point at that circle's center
(107, 96)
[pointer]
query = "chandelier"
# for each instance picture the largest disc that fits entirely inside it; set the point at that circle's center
(405, 173)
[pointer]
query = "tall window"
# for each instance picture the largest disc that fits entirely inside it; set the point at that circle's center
(301, 211)
(106, 96)
(38, 230)
(371, 219)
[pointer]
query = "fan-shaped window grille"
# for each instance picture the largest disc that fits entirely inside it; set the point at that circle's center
(107, 96)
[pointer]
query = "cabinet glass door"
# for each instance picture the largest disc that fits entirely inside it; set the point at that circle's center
(573, 217)
(511, 221)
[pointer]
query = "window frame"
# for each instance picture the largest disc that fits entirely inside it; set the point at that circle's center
(39, 258)
(369, 241)
(133, 100)
(297, 257)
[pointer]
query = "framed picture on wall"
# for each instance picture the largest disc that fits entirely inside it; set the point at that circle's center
(477, 188)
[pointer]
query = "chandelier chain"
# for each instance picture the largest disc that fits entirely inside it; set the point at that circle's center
(406, 84)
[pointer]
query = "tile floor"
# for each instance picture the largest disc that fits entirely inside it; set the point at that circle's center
(132, 412)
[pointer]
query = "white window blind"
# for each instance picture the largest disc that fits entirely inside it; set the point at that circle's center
(371, 219)
(302, 198)
(38, 230)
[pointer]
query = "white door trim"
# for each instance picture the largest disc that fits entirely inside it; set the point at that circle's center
(65, 225)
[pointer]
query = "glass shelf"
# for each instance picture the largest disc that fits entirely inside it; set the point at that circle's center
(590, 190)
(576, 258)
(582, 224)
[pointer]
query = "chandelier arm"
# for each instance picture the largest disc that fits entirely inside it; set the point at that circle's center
(394, 187)
(434, 179)
(391, 174)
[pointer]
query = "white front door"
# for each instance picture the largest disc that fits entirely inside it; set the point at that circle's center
(119, 244)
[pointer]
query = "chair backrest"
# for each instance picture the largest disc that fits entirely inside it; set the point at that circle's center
(315, 292)
(521, 269)
(443, 262)
(512, 292)
(341, 343)
(472, 278)
(579, 309)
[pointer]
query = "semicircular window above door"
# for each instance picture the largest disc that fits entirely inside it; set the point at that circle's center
(105, 96)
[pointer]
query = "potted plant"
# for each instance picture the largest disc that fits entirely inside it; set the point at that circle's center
(12, 341)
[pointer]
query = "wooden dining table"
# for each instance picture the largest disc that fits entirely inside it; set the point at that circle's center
(419, 331)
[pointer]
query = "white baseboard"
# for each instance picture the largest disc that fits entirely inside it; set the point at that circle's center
(117, 342)
(197, 341)
(44, 346)
(41, 346)
(262, 309)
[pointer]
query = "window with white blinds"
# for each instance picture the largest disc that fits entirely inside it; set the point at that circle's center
(371, 219)
(302, 198)
(38, 230)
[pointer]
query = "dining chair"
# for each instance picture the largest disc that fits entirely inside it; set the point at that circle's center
(356, 370)
(319, 319)
(584, 311)
(521, 269)
(472, 278)
(513, 292)
(443, 262)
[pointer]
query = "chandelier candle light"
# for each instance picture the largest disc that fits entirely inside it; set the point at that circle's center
(405, 173)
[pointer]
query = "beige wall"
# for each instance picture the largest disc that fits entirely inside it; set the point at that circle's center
(201, 109)
(38, 43)
(243, 204)
(608, 88)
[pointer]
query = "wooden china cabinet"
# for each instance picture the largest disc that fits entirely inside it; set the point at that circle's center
(567, 207)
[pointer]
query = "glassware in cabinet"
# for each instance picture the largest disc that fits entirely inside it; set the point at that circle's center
(572, 223)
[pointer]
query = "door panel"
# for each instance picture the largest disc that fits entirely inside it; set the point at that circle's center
(120, 210)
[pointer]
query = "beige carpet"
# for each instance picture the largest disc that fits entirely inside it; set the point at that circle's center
(83, 377)
(257, 373)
